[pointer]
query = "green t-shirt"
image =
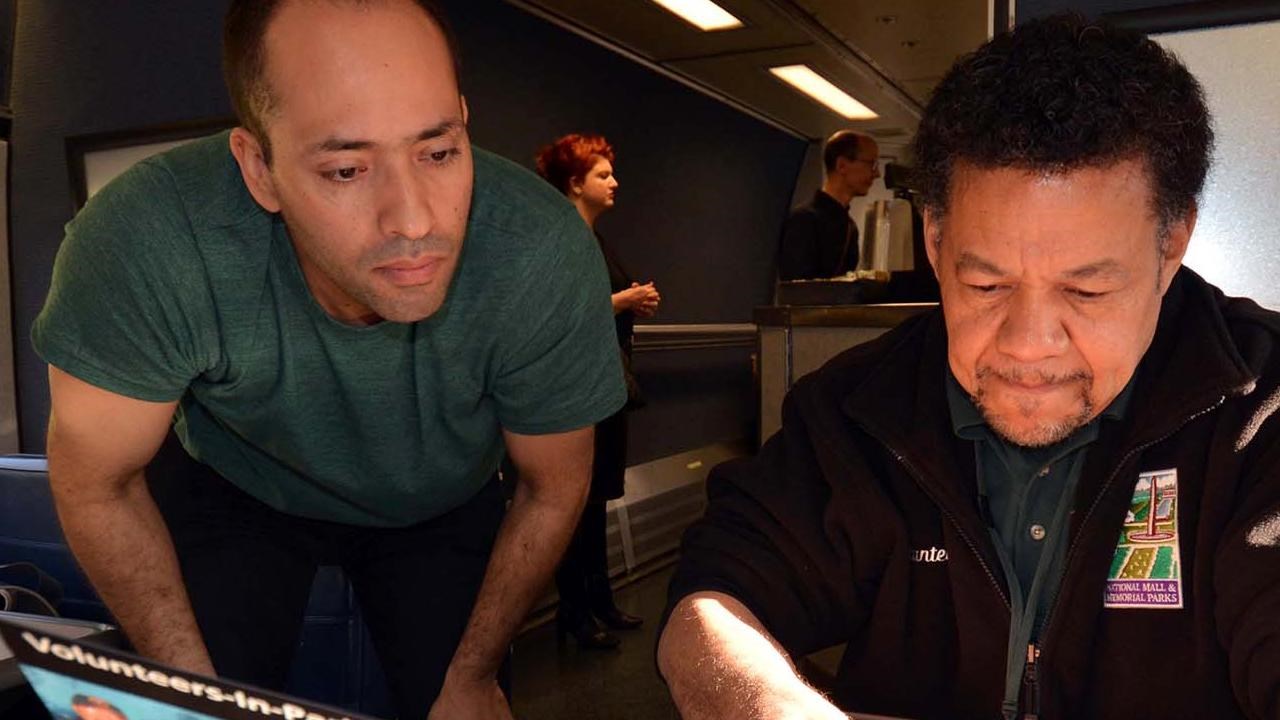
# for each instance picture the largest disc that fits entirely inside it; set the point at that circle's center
(173, 284)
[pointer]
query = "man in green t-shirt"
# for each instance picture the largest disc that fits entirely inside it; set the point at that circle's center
(347, 315)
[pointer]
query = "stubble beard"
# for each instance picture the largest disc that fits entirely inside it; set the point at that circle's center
(1039, 434)
(404, 305)
(414, 303)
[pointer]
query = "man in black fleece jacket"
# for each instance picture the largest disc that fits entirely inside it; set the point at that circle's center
(1056, 497)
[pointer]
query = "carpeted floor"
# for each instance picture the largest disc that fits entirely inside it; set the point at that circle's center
(554, 681)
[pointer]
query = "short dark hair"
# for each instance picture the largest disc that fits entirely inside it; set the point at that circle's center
(244, 58)
(570, 158)
(843, 144)
(1064, 93)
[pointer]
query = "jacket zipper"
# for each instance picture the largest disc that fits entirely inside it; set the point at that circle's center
(1030, 691)
(1030, 682)
(951, 518)
(1030, 676)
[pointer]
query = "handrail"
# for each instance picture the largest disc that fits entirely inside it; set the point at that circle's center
(693, 336)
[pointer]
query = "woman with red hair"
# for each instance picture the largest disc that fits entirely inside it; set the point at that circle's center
(581, 167)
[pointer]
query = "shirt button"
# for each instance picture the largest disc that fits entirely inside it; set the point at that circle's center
(1043, 471)
(1037, 532)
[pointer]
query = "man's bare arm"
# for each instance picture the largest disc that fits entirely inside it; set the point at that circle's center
(98, 445)
(720, 662)
(554, 473)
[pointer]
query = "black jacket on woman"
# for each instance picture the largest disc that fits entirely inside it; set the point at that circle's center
(858, 523)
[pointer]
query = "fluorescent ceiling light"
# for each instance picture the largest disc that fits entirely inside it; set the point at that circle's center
(804, 79)
(705, 14)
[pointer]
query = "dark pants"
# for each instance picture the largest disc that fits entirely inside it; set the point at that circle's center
(248, 570)
(582, 579)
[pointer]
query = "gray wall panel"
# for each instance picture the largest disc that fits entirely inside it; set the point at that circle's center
(85, 67)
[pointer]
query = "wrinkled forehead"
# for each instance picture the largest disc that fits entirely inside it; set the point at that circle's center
(973, 184)
(1010, 221)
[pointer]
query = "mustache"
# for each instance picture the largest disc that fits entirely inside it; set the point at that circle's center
(1032, 376)
(399, 247)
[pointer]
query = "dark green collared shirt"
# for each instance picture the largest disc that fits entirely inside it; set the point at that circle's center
(1026, 495)
(1023, 489)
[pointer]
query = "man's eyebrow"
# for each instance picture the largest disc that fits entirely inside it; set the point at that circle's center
(1102, 268)
(969, 261)
(447, 127)
(337, 143)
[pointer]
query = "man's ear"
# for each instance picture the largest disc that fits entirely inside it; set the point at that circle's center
(1174, 247)
(932, 239)
(254, 169)
(466, 112)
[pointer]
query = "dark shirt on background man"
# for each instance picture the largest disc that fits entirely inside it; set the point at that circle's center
(818, 240)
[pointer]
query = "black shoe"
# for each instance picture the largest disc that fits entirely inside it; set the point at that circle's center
(600, 596)
(587, 632)
(618, 620)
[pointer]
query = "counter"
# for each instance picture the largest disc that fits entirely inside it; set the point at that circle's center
(796, 340)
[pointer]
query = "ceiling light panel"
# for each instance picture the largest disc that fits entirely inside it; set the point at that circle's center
(804, 79)
(703, 14)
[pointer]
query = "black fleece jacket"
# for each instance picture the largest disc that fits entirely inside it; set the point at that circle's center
(835, 532)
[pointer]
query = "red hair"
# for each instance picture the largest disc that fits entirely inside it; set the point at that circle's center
(571, 158)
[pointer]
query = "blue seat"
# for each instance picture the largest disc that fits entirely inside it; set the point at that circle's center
(335, 662)
(29, 531)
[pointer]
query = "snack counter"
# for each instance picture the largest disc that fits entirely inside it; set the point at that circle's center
(797, 339)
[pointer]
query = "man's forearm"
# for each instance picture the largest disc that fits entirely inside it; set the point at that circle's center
(720, 662)
(123, 545)
(530, 542)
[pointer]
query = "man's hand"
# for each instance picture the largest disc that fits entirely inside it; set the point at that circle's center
(98, 444)
(470, 700)
(553, 473)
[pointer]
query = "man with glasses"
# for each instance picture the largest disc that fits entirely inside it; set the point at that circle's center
(818, 239)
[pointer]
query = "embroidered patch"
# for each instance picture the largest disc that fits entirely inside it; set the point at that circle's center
(1146, 570)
